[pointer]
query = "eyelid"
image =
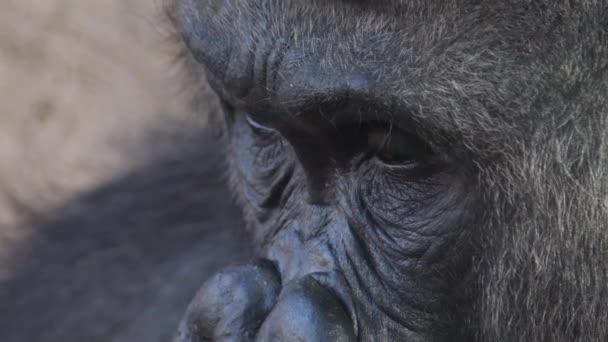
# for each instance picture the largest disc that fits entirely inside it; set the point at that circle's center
(257, 125)
(405, 165)
(423, 159)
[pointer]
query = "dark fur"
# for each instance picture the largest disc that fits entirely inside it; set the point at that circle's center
(516, 89)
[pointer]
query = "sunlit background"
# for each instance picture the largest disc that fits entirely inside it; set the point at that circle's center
(80, 82)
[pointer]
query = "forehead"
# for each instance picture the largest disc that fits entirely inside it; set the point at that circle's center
(471, 69)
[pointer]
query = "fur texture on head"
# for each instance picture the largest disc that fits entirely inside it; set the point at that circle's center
(519, 89)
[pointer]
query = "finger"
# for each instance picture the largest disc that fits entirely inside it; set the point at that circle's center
(232, 305)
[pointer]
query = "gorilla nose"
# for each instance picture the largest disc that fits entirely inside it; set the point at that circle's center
(242, 304)
(307, 311)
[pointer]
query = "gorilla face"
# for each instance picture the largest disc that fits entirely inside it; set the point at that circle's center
(409, 170)
(358, 207)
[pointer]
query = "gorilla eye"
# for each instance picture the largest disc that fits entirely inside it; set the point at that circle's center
(256, 125)
(395, 147)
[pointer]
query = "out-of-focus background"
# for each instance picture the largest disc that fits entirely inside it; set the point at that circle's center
(91, 247)
(80, 81)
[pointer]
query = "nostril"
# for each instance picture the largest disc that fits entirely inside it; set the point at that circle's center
(232, 305)
(307, 311)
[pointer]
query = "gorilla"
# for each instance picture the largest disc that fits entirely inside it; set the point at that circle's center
(420, 170)
(405, 170)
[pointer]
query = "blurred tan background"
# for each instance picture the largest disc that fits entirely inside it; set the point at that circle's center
(111, 216)
(81, 84)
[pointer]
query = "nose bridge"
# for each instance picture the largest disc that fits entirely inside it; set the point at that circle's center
(315, 159)
(302, 246)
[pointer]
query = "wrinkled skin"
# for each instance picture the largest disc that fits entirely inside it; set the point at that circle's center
(409, 170)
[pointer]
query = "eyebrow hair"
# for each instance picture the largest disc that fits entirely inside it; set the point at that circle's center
(447, 98)
(439, 115)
